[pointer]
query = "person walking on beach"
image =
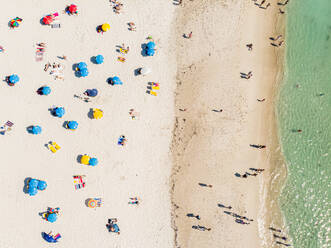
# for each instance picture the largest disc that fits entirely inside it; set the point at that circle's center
(201, 228)
(188, 36)
(205, 185)
(194, 216)
(274, 229)
(250, 47)
(222, 206)
(218, 111)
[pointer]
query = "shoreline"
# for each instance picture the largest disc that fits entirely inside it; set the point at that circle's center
(193, 126)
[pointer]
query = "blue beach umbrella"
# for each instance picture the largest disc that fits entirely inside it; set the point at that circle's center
(99, 59)
(42, 185)
(83, 72)
(36, 130)
(32, 191)
(150, 45)
(59, 111)
(33, 183)
(81, 65)
(116, 80)
(52, 217)
(93, 161)
(92, 92)
(14, 79)
(46, 90)
(72, 125)
(150, 52)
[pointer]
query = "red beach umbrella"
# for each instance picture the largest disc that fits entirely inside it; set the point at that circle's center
(72, 8)
(47, 20)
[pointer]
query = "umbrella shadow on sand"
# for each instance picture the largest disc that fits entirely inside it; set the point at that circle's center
(143, 50)
(90, 114)
(136, 72)
(26, 185)
(65, 124)
(74, 68)
(86, 201)
(79, 158)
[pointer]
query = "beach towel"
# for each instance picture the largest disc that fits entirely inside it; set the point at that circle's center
(9, 124)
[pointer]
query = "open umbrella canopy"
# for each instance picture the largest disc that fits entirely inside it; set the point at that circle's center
(150, 52)
(92, 203)
(33, 183)
(15, 22)
(14, 79)
(72, 125)
(46, 90)
(97, 113)
(32, 191)
(36, 130)
(93, 161)
(85, 159)
(72, 8)
(150, 45)
(116, 80)
(81, 65)
(47, 20)
(105, 27)
(42, 185)
(99, 59)
(59, 111)
(92, 92)
(84, 72)
(52, 217)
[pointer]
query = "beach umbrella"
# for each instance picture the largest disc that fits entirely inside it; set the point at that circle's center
(14, 79)
(85, 159)
(84, 72)
(81, 65)
(150, 52)
(145, 70)
(36, 130)
(49, 238)
(52, 217)
(150, 45)
(93, 161)
(33, 183)
(92, 203)
(32, 191)
(72, 125)
(97, 113)
(72, 8)
(99, 59)
(47, 20)
(92, 92)
(116, 80)
(46, 90)
(42, 185)
(59, 112)
(105, 27)
(15, 22)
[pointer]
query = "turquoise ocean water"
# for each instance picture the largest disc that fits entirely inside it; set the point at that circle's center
(305, 103)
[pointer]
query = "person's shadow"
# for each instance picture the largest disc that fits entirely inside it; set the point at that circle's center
(26, 185)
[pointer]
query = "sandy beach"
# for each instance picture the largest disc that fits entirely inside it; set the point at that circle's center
(210, 146)
(141, 168)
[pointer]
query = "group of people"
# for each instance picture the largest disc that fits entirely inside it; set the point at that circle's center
(246, 174)
(117, 6)
(276, 236)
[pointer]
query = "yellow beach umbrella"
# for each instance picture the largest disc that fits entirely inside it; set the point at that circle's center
(97, 113)
(85, 159)
(105, 27)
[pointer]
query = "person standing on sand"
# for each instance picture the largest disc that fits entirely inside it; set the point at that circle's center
(188, 36)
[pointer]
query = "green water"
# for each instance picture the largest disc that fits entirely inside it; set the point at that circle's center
(305, 103)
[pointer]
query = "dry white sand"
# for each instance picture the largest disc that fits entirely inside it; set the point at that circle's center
(141, 168)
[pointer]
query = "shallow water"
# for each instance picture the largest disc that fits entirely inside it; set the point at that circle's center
(305, 103)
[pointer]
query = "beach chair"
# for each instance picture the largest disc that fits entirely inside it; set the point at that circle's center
(50, 147)
(99, 202)
(79, 182)
(39, 56)
(56, 25)
(123, 51)
(153, 93)
(155, 87)
(57, 147)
